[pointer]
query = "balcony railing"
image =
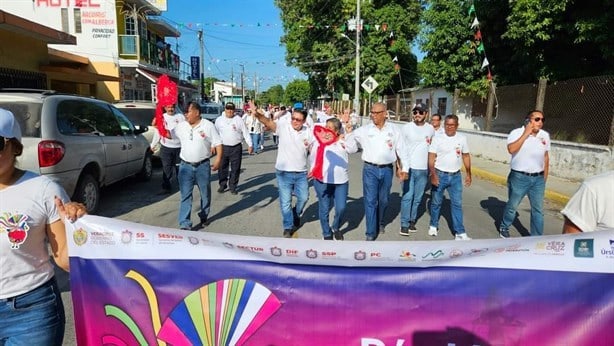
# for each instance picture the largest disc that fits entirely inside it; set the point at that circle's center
(152, 53)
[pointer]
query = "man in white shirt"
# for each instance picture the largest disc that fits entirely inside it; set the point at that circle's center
(232, 129)
(436, 123)
(417, 135)
(198, 137)
(529, 146)
(382, 146)
(170, 146)
(446, 154)
(591, 208)
(295, 139)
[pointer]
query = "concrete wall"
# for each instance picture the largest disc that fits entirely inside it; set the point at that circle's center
(567, 160)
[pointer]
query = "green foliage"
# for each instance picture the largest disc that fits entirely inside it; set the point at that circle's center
(297, 91)
(274, 95)
(314, 43)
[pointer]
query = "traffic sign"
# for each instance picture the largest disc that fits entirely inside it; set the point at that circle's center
(370, 84)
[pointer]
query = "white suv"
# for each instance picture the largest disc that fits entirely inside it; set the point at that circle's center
(141, 113)
(80, 142)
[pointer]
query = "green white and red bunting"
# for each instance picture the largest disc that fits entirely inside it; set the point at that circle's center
(477, 43)
(342, 27)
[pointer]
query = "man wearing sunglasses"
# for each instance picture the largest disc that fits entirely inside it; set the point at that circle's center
(529, 146)
(417, 135)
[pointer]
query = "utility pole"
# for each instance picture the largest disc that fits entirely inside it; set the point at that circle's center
(202, 65)
(242, 87)
(255, 86)
(357, 68)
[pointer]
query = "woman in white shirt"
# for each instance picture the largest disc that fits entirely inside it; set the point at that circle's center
(255, 129)
(329, 159)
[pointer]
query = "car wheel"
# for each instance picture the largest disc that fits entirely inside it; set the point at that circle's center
(147, 169)
(88, 193)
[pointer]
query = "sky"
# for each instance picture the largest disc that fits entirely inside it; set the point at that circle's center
(238, 35)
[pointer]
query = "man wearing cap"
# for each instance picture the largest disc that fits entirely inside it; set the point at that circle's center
(382, 146)
(232, 129)
(417, 135)
(529, 146)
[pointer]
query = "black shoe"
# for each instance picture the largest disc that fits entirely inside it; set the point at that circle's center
(412, 227)
(381, 230)
(234, 192)
(370, 238)
(186, 228)
(287, 233)
(204, 222)
(296, 220)
(330, 237)
(404, 231)
(504, 233)
(338, 235)
(221, 189)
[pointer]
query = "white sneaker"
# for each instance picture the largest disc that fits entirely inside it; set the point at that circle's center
(462, 236)
(433, 231)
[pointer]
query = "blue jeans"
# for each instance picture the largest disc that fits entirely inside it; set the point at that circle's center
(413, 190)
(188, 176)
(33, 318)
(289, 182)
(454, 184)
(376, 184)
(518, 186)
(329, 195)
(256, 142)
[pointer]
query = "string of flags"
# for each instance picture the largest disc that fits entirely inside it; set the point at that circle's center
(477, 42)
(342, 27)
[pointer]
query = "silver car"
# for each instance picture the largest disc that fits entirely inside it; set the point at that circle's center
(80, 142)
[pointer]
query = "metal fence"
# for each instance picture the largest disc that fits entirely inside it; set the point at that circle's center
(577, 110)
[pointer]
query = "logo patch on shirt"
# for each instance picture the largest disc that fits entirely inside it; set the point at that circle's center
(16, 227)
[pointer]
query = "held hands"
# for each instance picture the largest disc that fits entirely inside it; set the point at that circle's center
(71, 210)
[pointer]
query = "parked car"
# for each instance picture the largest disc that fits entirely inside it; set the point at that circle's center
(141, 113)
(80, 142)
(211, 111)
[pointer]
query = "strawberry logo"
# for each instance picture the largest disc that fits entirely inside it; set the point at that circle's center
(16, 227)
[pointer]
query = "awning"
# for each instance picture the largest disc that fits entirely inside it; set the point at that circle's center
(147, 75)
(21, 26)
(75, 74)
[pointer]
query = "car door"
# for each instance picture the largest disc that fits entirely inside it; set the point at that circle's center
(135, 144)
(114, 142)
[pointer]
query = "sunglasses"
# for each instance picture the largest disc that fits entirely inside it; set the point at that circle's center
(539, 119)
(418, 112)
(297, 119)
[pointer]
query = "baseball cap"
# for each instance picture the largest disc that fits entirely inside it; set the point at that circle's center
(420, 107)
(298, 105)
(9, 127)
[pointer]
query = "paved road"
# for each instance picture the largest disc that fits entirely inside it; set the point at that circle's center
(255, 210)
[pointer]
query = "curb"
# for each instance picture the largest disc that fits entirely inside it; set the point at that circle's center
(553, 196)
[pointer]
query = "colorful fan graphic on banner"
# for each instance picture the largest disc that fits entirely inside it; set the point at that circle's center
(226, 312)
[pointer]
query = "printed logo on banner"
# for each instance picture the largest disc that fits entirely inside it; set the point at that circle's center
(478, 252)
(433, 255)
(193, 240)
(102, 238)
(583, 248)
(228, 245)
(80, 237)
(609, 253)
(275, 251)
(456, 253)
(360, 255)
(250, 248)
(329, 254)
(311, 253)
(556, 248)
(292, 252)
(126, 237)
(407, 255)
(512, 248)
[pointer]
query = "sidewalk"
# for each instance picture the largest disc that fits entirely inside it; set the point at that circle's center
(558, 190)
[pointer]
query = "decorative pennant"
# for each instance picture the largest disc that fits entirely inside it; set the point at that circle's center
(485, 62)
(478, 35)
(475, 23)
(472, 9)
(480, 48)
(396, 59)
(377, 26)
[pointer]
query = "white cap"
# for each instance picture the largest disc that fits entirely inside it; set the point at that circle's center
(9, 127)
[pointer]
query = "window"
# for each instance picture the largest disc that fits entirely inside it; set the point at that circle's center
(130, 25)
(126, 126)
(442, 103)
(77, 13)
(64, 13)
(77, 117)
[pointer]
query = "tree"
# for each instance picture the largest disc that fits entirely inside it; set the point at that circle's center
(273, 95)
(298, 91)
(313, 32)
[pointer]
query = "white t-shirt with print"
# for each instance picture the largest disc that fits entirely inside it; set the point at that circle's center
(336, 160)
(170, 123)
(197, 141)
(293, 147)
(449, 150)
(381, 146)
(530, 157)
(26, 208)
(418, 139)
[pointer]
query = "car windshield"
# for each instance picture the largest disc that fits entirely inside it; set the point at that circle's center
(139, 116)
(28, 115)
(211, 110)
